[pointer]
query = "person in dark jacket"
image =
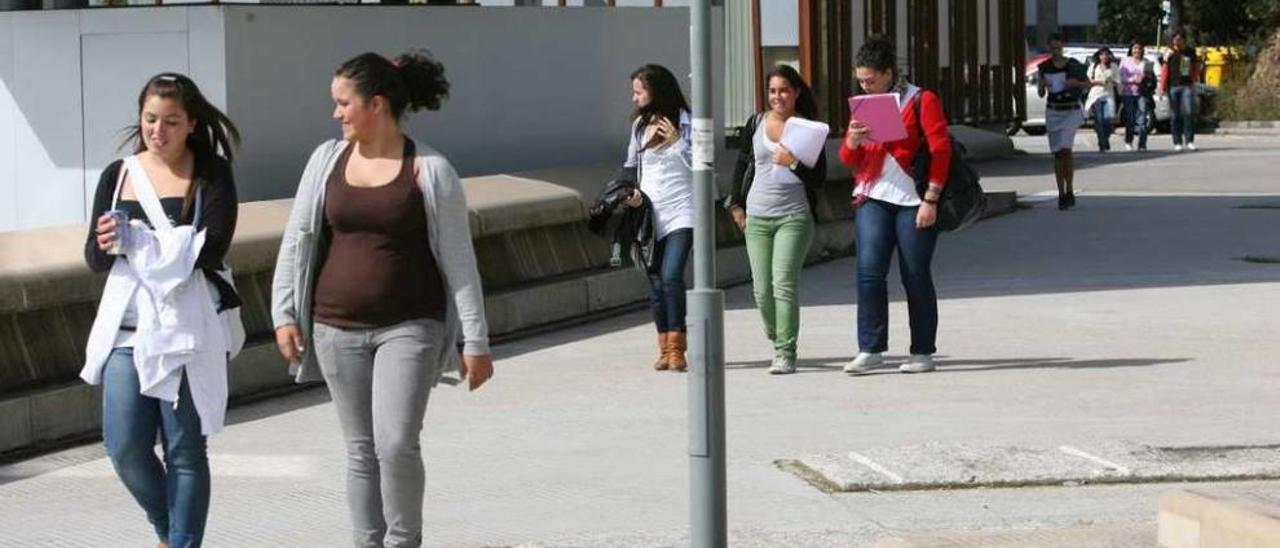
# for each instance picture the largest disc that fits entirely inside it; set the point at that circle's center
(1178, 81)
(772, 203)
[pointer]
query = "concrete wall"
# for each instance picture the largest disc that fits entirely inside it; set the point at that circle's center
(531, 88)
(69, 83)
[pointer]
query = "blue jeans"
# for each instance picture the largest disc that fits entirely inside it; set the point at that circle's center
(1103, 111)
(666, 284)
(1135, 119)
(175, 493)
(883, 228)
(1182, 101)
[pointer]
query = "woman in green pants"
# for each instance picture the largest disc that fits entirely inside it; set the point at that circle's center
(772, 203)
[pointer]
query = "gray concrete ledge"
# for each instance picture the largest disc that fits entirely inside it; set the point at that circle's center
(539, 264)
(1250, 124)
(1210, 519)
(982, 144)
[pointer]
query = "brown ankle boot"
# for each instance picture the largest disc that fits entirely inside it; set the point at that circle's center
(678, 342)
(662, 364)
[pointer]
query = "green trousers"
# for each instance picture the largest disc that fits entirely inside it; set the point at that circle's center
(777, 247)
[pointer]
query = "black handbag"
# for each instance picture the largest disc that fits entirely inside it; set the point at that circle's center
(963, 200)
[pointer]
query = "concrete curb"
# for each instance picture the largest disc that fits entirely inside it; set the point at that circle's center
(1250, 124)
(1118, 536)
(1204, 519)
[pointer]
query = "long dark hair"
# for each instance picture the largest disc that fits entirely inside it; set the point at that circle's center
(806, 104)
(1097, 55)
(411, 82)
(665, 98)
(214, 134)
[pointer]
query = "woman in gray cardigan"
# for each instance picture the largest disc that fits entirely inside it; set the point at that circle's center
(375, 279)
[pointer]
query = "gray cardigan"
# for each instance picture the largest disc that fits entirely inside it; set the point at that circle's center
(448, 227)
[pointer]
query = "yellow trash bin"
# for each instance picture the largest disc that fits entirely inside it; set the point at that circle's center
(1215, 60)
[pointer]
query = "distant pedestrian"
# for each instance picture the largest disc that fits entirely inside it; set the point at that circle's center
(1135, 78)
(1104, 81)
(772, 202)
(1063, 80)
(164, 218)
(1178, 81)
(660, 146)
(375, 279)
(897, 208)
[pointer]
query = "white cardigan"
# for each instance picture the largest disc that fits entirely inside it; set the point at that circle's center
(179, 329)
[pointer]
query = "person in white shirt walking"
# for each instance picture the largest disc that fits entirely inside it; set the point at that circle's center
(1104, 80)
(157, 345)
(660, 147)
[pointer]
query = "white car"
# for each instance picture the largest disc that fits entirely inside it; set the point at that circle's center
(1034, 124)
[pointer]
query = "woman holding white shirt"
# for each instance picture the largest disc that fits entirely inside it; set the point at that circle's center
(158, 345)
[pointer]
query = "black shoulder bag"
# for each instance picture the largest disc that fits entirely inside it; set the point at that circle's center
(963, 200)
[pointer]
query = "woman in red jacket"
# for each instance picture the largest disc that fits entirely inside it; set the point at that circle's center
(896, 211)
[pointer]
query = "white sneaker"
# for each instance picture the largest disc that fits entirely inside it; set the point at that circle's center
(865, 361)
(1191, 146)
(1128, 147)
(917, 363)
(782, 365)
(1177, 148)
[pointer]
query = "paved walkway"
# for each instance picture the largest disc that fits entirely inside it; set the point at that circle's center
(1129, 320)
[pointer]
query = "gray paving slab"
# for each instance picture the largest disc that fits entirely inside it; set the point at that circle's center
(968, 465)
(1130, 320)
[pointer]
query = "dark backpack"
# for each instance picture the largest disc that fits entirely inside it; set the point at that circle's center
(963, 200)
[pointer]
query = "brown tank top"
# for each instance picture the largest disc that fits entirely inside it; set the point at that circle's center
(379, 269)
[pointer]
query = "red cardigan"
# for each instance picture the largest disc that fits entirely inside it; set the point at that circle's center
(867, 161)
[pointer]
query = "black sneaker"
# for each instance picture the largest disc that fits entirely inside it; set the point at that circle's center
(1071, 199)
(1062, 202)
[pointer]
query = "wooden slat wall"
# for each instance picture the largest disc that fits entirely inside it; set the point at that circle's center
(973, 92)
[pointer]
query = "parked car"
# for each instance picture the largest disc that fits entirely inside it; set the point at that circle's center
(1034, 124)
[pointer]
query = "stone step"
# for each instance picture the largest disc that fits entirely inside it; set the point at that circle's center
(1109, 536)
(1214, 519)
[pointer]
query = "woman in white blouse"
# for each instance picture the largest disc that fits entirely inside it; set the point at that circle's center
(660, 148)
(1104, 79)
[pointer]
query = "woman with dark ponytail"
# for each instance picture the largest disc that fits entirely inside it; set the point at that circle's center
(375, 279)
(772, 203)
(164, 218)
(661, 149)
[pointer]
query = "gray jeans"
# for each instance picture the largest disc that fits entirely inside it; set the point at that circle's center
(379, 380)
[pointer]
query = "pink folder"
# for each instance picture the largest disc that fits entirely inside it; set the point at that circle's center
(879, 111)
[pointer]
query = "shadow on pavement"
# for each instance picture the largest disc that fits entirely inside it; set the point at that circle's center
(1039, 163)
(1105, 243)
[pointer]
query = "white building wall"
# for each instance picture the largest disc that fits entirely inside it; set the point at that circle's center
(531, 88)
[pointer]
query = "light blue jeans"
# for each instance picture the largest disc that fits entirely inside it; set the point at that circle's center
(174, 493)
(1182, 101)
